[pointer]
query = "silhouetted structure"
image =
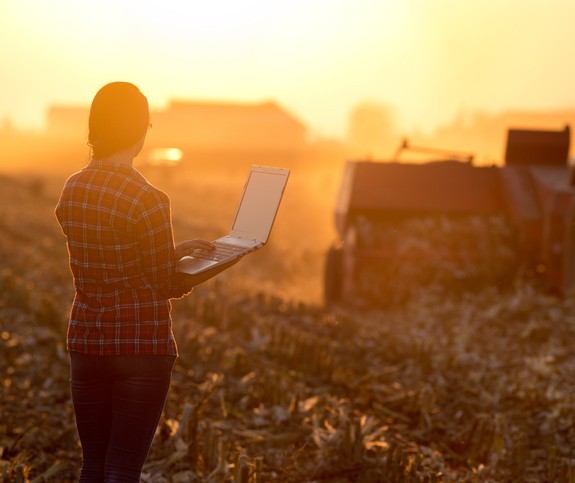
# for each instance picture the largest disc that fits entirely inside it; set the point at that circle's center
(203, 126)
(208, 125)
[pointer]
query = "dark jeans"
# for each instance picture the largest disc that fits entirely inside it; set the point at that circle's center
(118, 401)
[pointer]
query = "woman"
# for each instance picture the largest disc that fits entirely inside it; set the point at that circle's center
(123, 260)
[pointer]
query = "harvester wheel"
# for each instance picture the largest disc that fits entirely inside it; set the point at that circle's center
(333, 276)
(569, 253)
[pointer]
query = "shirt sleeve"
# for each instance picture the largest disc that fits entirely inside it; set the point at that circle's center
(156, 242)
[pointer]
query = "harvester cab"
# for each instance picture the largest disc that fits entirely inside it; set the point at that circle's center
(448, 223)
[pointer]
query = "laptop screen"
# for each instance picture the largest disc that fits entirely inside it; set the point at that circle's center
(259, 203)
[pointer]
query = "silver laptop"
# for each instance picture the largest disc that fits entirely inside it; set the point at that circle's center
(252, 224)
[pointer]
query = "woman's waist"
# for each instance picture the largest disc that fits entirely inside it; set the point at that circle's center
(119, 298)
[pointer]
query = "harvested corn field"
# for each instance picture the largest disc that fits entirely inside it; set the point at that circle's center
(472, 386)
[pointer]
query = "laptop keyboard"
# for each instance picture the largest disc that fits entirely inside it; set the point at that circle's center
(221, 251)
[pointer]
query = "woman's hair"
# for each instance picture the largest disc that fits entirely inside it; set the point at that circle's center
(119, 117)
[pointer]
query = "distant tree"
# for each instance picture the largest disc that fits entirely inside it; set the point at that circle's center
(372, 130)
(6, 126)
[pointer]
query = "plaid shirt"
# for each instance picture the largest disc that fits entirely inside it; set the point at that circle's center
(122, 256)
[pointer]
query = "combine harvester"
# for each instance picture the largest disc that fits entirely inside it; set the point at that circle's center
(452, 224)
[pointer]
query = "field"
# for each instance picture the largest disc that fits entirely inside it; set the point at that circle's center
(474, 386)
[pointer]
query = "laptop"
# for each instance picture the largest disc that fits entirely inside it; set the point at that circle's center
(251, 226)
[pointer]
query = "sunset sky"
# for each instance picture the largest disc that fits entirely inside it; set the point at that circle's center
(429, 59)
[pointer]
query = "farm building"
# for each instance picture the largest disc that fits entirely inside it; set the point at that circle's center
(203, 126)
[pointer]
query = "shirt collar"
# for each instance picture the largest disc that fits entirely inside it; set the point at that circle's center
(110, 166)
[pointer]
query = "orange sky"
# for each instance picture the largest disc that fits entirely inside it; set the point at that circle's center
(429, 59)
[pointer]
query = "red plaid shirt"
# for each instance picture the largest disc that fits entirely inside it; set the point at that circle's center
(122, 256)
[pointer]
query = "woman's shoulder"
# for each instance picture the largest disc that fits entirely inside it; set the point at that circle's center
(148, 189)
(148, 194)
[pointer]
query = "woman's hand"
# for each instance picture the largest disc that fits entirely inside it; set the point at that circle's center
(187, 247)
